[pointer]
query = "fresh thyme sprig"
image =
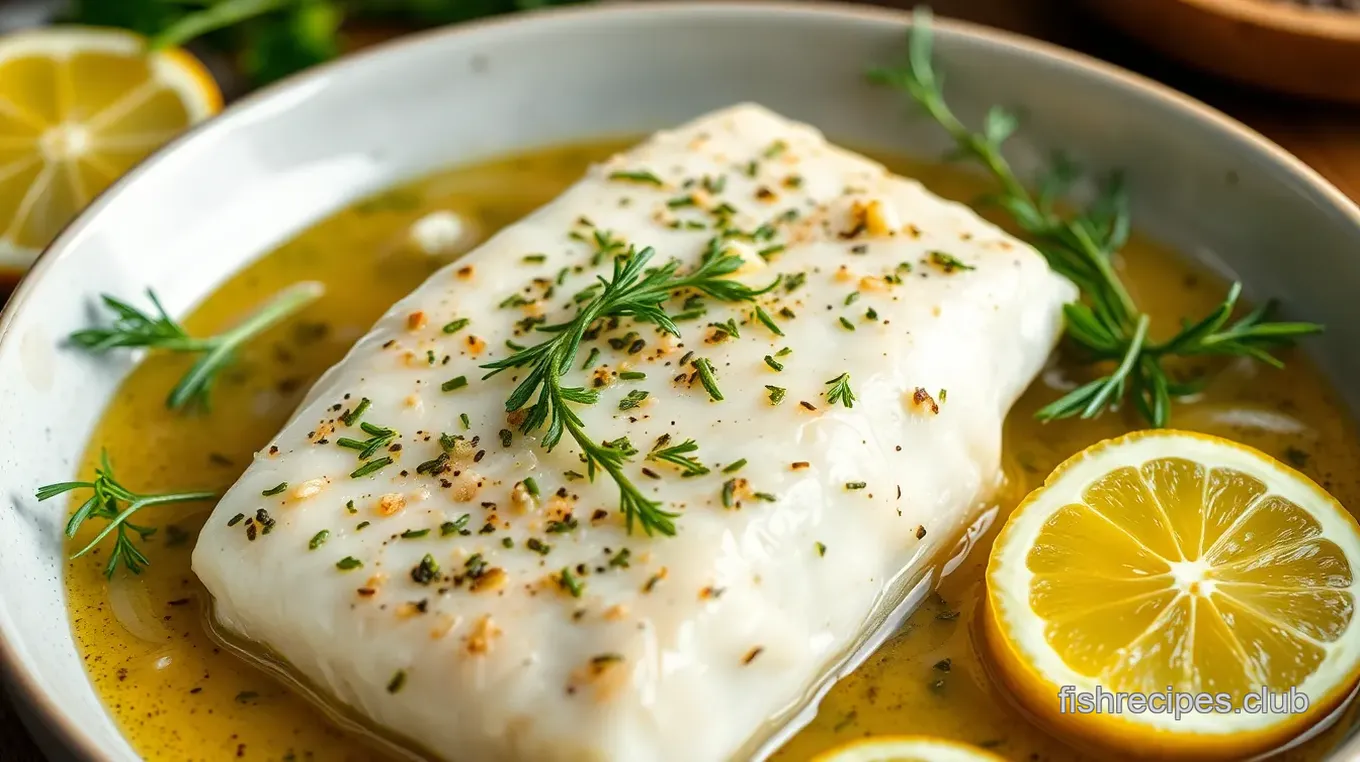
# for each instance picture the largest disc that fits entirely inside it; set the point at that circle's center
(115, 503)
(1107, 325)
(135, 328)
(631, 291)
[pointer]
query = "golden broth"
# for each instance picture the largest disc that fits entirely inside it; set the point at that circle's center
(178, 695)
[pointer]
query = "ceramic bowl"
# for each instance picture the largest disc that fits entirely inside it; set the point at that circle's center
(282, 159)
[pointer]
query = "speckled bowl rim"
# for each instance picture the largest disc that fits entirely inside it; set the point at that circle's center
(18, 675)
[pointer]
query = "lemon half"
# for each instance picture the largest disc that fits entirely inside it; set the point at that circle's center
(1172, 561)
(78, 107)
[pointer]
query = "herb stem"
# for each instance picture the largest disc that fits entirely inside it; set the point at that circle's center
(1081, 247)
(103, 503)
(134, 328)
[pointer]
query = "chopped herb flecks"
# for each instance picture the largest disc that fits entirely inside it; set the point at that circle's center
(569, 583)
(706, 377)
(637, 176)
(632, 400)
(840, 391)
(678, 455)
(354, 416)
(948, 262)
(373, 466)
(768, 321)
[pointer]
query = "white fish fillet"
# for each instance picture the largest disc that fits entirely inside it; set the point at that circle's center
(682, 647)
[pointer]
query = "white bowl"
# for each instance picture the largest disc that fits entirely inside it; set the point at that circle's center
(284, 158)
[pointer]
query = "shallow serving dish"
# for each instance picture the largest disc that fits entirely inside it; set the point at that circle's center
(284, 158)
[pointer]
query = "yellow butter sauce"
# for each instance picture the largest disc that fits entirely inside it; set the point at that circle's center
(178, 695)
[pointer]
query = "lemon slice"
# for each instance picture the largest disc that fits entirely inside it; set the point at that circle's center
(78, 107)
(1170, 561)
(906, 749)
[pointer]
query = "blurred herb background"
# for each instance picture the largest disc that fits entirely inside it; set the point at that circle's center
(267, 40)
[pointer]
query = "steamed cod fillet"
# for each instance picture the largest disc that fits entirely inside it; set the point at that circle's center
(549, 631)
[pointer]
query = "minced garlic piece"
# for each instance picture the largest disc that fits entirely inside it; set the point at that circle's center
(391, 503)
(466, 485)
(521, 501)
(873, 283)
(484, 631)
(492, 579)
(309, 488)
(443, 624)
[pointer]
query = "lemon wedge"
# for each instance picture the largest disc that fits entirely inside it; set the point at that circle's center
(78, 107)
(1170, 564)
(906, 749)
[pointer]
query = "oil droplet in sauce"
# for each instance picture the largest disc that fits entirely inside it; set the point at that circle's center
(179, 695)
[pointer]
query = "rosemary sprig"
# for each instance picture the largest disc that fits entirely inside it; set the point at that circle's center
(1106, 324)
(115, 503)
(631, 291)
(134, 328)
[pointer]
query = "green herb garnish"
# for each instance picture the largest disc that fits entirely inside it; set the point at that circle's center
(1106, 324)
(569, 583)
(350, 417)
(379, 437)
(678, 455)
(840, 391)
(767, 321)
(638, 176)
(776, 394)
(115, 504)
(373, 466)
(457, 526)
(706, 377)
(632, 400)
(948, 262)
(632, 291)
(133, 328)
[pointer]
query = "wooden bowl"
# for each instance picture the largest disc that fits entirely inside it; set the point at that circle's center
(1281, 45)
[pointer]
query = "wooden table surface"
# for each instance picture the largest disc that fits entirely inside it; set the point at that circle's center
(1323, 135)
